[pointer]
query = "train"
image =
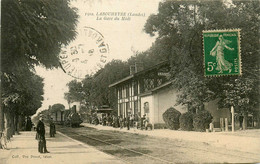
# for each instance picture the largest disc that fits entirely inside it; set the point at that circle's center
(68, 117)
(73, 120)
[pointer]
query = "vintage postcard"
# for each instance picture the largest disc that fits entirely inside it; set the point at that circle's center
(129, 81)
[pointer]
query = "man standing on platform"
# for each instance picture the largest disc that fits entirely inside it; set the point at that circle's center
(52, 128)
(41, 136)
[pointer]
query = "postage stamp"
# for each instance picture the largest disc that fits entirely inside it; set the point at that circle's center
(222, 52)
(86, 55)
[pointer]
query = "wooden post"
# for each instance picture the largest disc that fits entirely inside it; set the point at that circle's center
(233, 118)
(226, 124)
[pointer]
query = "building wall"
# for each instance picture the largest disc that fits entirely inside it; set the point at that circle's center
(163, 100)
(159, 102)
(148, 99)
(127, 97)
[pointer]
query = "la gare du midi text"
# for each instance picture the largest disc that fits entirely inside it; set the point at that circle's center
(115, 15)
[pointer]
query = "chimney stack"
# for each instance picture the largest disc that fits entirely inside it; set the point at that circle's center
(139, 67)
(132, 69)
(136, 68)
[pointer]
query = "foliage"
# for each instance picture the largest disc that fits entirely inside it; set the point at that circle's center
(186, 121)
(94, 90)
(241, 93)
(180, 24)
(171, 118)
(201, 120)
(22, 93)
(33, 32)
(75, 93)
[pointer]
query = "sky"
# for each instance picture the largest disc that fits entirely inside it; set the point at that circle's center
(122, 35)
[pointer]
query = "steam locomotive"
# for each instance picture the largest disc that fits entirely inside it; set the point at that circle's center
(73, 119)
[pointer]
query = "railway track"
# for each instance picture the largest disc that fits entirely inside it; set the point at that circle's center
(121, 147)
(192, 148)
(112, 138)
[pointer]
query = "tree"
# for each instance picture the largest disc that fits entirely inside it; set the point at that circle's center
(94, 90)
(171, 118)
(32, 34)
(181, 23)
(75, 93)
(101, 94)
(21, 97)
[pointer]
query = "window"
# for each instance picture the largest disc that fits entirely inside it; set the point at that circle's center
(148, 84)
(146, 107)
(159, 82)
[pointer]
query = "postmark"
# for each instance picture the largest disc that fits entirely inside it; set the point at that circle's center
(86, 55)
(222, 52)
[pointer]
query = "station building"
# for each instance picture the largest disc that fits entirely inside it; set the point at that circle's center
(150, 92)
(146, 91)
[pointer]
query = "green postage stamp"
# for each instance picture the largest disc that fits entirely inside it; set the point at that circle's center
(222, 52)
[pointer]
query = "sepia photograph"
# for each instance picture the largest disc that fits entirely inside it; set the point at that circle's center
(130, 81)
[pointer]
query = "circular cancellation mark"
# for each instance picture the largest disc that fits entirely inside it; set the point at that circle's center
(86, 55)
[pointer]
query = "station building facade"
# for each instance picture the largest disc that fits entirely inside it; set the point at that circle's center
(146, 92)
(149, 91)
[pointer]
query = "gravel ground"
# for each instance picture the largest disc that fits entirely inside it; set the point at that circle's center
(149, 149)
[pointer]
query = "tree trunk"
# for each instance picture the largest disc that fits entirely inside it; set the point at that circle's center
(20, 123)
(8, 124)
(1, 118)
(13, 124)
(245, 120)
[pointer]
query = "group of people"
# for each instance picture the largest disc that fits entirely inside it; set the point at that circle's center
(131, 121)
(40, 135)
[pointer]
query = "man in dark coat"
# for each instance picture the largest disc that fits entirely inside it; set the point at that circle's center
(52, 128)
(41, 136)
(28, 124)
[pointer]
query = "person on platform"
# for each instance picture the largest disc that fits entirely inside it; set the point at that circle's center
(121, 122)
(52, 128)
(143, 121)
(146, 122)
(132, 120)
(128, 122)
(41, 136)
(28, 124)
